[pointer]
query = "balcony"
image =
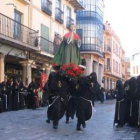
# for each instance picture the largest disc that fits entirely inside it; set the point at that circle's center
(91, 48)
(107, 68)
(46, 46)
(89, 15)
(17, 35)
(47, 7)
(107, 49)
(59, 15)
(69, 22)
(26, 2)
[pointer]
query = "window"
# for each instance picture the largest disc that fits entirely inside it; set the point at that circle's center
(119, 51)
(113, 46)
(108, 42)
(116, 66)
(68, 12)
(128, 69)
(133, 69)
(116, 49)
(45, 37)
(17, 25)
(58, 4)
(81, 2)
(113, 65)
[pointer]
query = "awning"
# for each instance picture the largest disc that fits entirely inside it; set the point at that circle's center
(76, 4)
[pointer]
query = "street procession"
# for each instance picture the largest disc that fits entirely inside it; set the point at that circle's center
(68, 92)
(66, 72)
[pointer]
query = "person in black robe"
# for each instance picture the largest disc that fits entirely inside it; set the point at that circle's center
(45, 95)
(73, 96)
(1, 103)
(15, 96)
(32, 95)
(136, 104)
(58, 88)
(22, 95)
(98, 92)
(128, 101)
(119, 118)
(130, 88)
(4, 88)
(86, 99)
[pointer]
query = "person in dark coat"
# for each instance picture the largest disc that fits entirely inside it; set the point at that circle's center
(99, 92)
(86, 99)
(128, 101)
(136, 105)
(130, 88)
(45, 94)
(32, 95)
(119, 118)
(22, 95)
(1, 103)
(58, 89)
(4, 90)
(73, 96)
(15, 96)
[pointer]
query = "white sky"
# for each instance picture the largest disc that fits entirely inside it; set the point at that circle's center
(124, 18)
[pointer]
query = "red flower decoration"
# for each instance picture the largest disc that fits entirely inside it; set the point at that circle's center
(72, 70)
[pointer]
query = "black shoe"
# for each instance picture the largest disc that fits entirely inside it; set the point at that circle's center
(119, 125)
(48, 121)
(79, 129)
(72, 117)
(67, 121)
(55, 127)
(84, 125)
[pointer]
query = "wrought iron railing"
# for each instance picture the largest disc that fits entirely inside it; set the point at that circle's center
(17, 31)
(107, 68)
(46, 45)
(47, 6)
(91, 48)
(69, 22)
(59, 15)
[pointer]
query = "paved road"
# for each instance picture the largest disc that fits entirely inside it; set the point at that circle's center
(30, 125)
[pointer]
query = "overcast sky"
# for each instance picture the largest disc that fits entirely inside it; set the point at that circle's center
(124, 18)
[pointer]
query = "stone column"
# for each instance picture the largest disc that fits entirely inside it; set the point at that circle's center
(114, 84)
(108, 84)
(104, 82)
(2, 56)
(100, 74)
(89, 68)
(97, 69)
(27, 71)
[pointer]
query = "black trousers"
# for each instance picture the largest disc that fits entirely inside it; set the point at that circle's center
(15, 100)
(9, 100)
(4, 102)
(1, 105)
(22, 101)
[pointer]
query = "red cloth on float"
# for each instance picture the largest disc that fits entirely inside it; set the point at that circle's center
(76, 36)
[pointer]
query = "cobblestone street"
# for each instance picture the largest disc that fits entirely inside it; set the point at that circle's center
(31, 125)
